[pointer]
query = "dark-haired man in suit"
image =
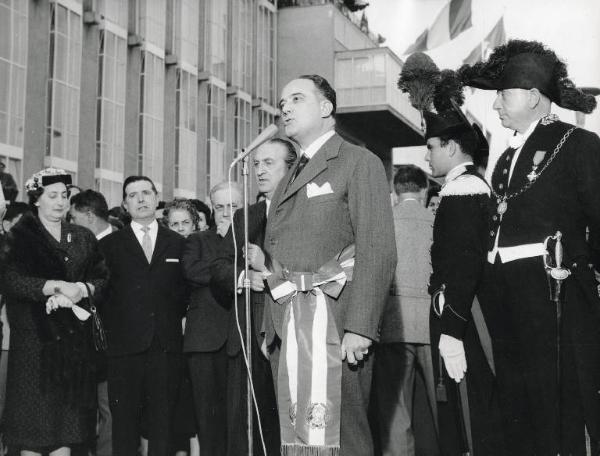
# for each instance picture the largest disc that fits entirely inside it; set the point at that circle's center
(142, 313)
(334, 196)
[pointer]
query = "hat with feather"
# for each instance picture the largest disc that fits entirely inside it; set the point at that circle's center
(521, 64)
(438, 95)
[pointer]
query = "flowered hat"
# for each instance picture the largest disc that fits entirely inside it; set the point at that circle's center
(47, 176)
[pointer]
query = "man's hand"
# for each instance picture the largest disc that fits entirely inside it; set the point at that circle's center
(453, 352)
(256, 281)
(256, 257)
(355, 347)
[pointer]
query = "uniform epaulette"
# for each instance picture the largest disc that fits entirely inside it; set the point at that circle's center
(466, 184)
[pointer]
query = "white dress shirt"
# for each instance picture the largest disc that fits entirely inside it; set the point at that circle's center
(516, 252)
(139, 233)
(314, 147)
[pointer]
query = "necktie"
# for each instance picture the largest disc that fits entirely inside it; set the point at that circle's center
(301, 164)
(147, 243)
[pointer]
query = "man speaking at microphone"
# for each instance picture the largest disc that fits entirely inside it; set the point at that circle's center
(334, 199)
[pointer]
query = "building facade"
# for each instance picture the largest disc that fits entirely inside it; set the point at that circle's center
(172, 89)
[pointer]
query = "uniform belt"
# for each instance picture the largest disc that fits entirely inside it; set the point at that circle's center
(517, 252)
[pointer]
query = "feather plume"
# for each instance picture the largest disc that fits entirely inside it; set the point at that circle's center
(449, 88)
(419, 77)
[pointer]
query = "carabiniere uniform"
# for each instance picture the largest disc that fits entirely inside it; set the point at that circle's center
(458, 256)
(554, 187)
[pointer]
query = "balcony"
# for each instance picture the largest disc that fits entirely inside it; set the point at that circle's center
(369, 100)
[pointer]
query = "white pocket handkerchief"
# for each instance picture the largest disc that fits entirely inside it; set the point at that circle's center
(172, 260)
(313, 189)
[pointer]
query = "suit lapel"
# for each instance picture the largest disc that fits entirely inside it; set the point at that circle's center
(313, 168)
(162, 242)
(133, 245)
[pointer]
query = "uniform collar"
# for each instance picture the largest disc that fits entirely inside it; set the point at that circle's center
(457, 171)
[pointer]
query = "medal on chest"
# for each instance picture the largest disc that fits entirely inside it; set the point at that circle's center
(502, 206)
(537, 159)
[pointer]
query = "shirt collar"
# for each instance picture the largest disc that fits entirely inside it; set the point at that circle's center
(138, 226)
(457, 171)
(105, 232)
(518, 139)
(314, 147)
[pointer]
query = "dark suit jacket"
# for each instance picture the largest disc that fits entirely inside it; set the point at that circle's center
(144, 300)
(209, 271)
(304, 233)
(257, 219)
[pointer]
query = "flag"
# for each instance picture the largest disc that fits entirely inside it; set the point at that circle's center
(495, 38)
(454, 19)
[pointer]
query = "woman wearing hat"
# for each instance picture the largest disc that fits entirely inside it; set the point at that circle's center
(50, 269)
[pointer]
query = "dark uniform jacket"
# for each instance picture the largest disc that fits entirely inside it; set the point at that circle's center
(566, 198)
(459, 247)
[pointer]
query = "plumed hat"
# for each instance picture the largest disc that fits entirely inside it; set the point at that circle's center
(521, 64)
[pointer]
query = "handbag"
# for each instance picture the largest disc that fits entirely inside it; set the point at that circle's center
(98, 334)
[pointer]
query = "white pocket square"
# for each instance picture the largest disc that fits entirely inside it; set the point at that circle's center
(172, 260)
(313, 189)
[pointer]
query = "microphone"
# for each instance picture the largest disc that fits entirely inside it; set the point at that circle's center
(265, 135)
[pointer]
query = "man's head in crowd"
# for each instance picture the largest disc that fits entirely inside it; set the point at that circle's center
(223, 207)
(14, 212)
(271, 162)
(140, 199)
(307, 107)
(446, 151)
(89, 209)
(410, 182)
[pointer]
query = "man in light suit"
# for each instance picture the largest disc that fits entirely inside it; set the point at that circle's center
(335, 195)
(142, 313)
(405, 344)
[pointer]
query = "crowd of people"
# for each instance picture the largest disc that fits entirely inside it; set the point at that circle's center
(126, 325)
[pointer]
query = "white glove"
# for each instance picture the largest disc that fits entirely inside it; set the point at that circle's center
(453, 352)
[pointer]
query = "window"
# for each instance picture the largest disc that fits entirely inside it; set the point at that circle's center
(185, 138)
(62, 133)
(152, 21)
(150, 154)
(186, 28)
(242, 126)
(215, 38)
(110, 130)
(241, 44)
(13, 70)
(215, 155)
(265, 53)
(265, 119)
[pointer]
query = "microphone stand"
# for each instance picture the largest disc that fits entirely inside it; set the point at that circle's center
(249, 403)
